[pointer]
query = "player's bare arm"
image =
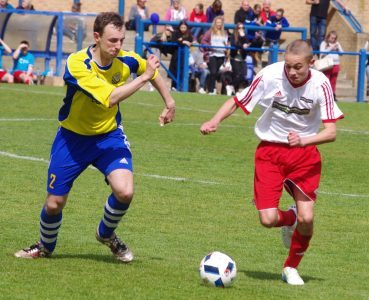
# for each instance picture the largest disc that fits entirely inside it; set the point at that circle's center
(123, 92)
(224, 112)
(327, 135)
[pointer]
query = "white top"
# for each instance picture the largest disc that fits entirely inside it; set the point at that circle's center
(336, 47)
(286, 107)
(221, 41)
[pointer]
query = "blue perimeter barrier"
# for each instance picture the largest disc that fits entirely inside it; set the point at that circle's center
(273, 50)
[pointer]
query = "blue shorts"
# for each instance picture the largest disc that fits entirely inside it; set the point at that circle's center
(72, 153)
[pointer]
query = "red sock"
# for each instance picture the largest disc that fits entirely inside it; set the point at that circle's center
(286, 218)
(299, 244)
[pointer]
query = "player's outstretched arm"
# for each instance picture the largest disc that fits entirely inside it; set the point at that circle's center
(327, 135)
(168, 113)
(123, 92)
(224, 112)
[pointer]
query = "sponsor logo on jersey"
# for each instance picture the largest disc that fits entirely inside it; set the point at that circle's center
(290, 110)
(306, 100)
(116, 78)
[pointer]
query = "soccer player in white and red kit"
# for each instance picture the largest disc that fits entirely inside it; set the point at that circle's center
(294, 100)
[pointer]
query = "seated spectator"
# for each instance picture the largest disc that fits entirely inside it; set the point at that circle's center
(266, 11)
(244, 14)
(216, 36)
(138, 11)
(331, 44)
(182, 36)
(225, 76)
(26, 5)
(72, 24)
(23, 64)
(199, 69)
(4, 75)
(176, 12)
(239, 41)
(197, 16)
(278, 21)
(164, 36)
(214, 10)
(5, 5)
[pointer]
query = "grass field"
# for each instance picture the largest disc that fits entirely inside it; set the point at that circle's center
(193, 195)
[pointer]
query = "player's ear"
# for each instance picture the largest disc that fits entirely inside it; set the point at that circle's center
(96, 36)
(311, 62)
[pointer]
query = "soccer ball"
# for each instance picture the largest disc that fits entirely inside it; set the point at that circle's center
(218, 269)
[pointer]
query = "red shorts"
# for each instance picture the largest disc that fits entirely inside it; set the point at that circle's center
(17, 75)
(278, 165)
(2, 73)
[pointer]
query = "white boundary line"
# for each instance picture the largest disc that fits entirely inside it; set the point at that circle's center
(182, 179)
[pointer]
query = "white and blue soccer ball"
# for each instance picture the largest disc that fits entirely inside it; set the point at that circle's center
(218, 269)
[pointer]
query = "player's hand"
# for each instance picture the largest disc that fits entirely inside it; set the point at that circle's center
(167, 115)
(294, 139)
(152, 64)
(208, 127)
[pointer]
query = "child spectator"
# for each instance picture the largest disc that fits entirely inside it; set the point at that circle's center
(182, 36)
(278, 21)
(331, 44)
(137, 12)
(199, 69)
(213, 11)
(23, 64)
(5, 5)
(4, 75)
(216, 36)
(197, 16)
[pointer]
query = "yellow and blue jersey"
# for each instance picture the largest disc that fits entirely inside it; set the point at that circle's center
(86, 108)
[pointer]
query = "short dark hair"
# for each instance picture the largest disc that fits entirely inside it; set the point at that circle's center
(25, 42)
(106, 18)
(300, 47)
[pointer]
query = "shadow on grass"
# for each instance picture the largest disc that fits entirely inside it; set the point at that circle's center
(273, 276)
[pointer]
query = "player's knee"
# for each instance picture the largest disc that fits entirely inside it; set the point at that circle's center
(54, 205)
(124, 196)
(268, 221)
(305, 219)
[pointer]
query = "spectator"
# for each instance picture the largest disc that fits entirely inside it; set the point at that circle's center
(226, 77)
(199, 69)
(257, 14)
(176, 12)
(241, 43)
(266, 11)
(278, 21)
(138, 11)
(23, 64)
(4, 75)
(214, 10)
(366, 47)
(216, 36)
(331, 44)
(164, 36)
(318, 20)
(197, 16)
(73, 23)
(182, 36)
(245, 13)
(5, 5)
(26, 5)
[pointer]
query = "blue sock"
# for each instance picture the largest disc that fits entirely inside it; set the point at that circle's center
(49, 229)
(113, 213)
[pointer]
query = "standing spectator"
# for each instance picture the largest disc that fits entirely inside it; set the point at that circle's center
(74, 24)
(256, 37)
(239, 41)
(26, 5)
(295, 101)
(214, 10)
(318, 20)
(137, 12)
(278, 21)
(366, 47)
(4, 76)
(216, 36)
(266, 11)
(183, 37)
(197, 16)
(23, 64)
(176, 12)
(331, 44)
(245, 13)
(91, 133)
(199, 69)
(5, 5)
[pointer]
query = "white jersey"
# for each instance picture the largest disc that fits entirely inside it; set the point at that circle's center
(287, 107)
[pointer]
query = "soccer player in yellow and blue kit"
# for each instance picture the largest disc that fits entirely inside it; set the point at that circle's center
(91, 133)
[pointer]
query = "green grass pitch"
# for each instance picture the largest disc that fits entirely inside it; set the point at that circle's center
(192, 196)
